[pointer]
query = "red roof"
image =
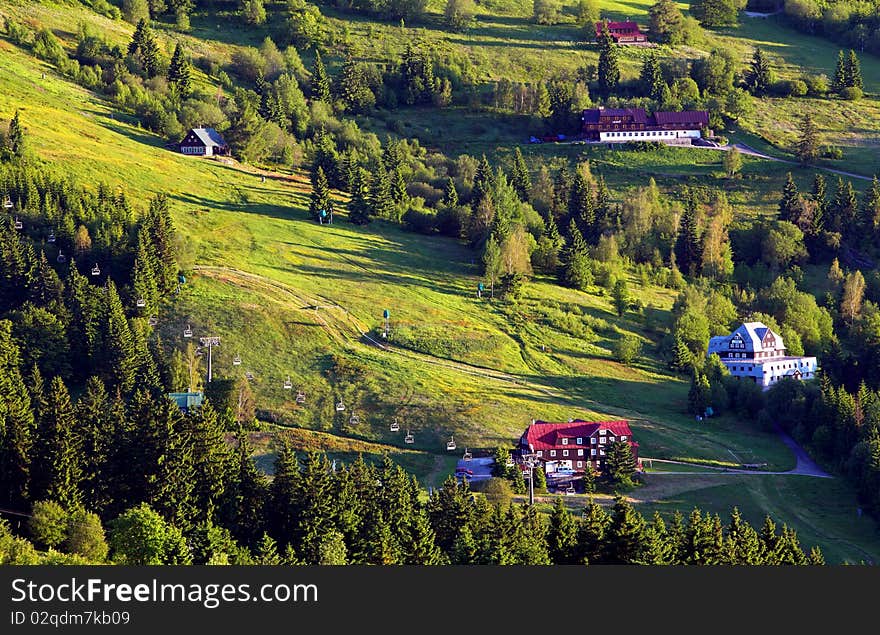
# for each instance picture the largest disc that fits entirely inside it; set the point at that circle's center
(627, 26)
(684, 116)
(542, 435)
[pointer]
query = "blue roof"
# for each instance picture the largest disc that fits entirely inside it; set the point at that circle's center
(187, 400)
(209, 136)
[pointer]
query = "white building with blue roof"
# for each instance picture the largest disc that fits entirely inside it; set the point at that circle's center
(755, 352)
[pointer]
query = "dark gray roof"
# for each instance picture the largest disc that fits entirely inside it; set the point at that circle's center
(209, 137)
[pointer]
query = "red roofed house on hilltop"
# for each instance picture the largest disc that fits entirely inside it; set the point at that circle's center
(622, 32)
(621, 125)
(572, 445)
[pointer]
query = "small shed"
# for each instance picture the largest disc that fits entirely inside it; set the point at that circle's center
(204, 142)
(187, 400)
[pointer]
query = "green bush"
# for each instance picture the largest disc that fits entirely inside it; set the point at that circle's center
(851, 93)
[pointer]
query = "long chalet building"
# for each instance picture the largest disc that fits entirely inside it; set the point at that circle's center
(620, 125)
(626, 32)
(574, 445)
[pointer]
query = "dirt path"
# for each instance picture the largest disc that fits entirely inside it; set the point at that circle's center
(748, 150)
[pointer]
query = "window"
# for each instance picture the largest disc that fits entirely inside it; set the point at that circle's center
(564, 441)
(611, 439)
(580, 463)
(580, 452)
(623, 437)
(593, 452)
(593, 440)
(540, 452)
(552, 452)
(580, 441)
(602, 452)
(565, 453)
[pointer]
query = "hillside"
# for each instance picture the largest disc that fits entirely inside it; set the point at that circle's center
(304, 301)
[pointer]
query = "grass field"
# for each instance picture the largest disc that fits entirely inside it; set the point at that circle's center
(295, 299)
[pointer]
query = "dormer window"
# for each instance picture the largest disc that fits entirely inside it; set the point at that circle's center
(737, 342)
(564, 441)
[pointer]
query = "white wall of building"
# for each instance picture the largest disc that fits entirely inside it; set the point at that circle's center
(621, 136)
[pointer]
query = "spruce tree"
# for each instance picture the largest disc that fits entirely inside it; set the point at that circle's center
(807, 148)
(450, 194)
(312, 507)
(577, 272)
(819, 194)
(118, 345)
(609, 69)
(16, 425)
(180, 72)
(869, 212)
(759, 76)
(320, 80)
(687, 244)
(651, 78)
(57, 469)
(359, 209)
(519, 177)
(419, 545)
(699, 393)
(450, 510)
(143, 276)
(282, 506)
(620, 465)
(149, 54)
(398, 186)
(626, 534)
(380, 200)
(840, 74)
(844, 208)
(581, 208)
(320, 203)
(853, 71)
(245, 498)
(212, 460)
(96, 431)
(682, 358)
(788, 204)
(592, 534)
(561, 535)
(15, 137)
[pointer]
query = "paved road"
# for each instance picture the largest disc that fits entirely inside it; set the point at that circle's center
(805, 466)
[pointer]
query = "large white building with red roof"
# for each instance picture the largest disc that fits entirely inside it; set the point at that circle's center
(573, 445)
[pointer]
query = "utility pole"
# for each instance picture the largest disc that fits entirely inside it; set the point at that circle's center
(210, 342)
(529, 462)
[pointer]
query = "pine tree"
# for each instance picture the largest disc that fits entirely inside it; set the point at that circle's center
(450, 510)
(320, 80)
(212, 460)
(807, 149)
(482, 182)
(180, 72)
(398, 186)
(16, 425)
(620, 465)
(419, 546)
(620, 297)
(312, 507)
(609, 69)
(283, 495)
(592, 534)
(320, 203)
(788, 204)
(519, 177)
(149, 54)
(143, 276)
(687, 244)
(651, 78)
(742, 546)
(359, 209)
(245, 497)
(759, 76)
(577, 272)
(57, 467)
(581, 207)
(626, 534)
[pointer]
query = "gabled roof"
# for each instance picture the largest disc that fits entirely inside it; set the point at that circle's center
(591, 115)
(542, 435)
(209, 137)
(684, 116)
(751, 333)
(627, 25)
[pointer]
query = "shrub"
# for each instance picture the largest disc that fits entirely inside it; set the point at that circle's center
(851, 93)
(832, 152)
(627, 349)
(817, 85)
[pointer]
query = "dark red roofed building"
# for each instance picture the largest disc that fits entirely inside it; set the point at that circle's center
(622, 32)
(621, 125)
(572, 445)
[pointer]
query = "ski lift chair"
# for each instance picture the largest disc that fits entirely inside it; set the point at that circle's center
(354, 420)
(395, 426)
(51, 237)
(141, 303)
(300, 397)
(236, 361)
(61, 257)
(153, 321)
(408, 438)
(287, 383)
(187, 332)
(249, 375)
(340, 407)
(467, 455)
(18, 224)
(96, 270)
(450, 445)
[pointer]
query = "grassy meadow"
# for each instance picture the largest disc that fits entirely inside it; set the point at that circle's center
(298, 300)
